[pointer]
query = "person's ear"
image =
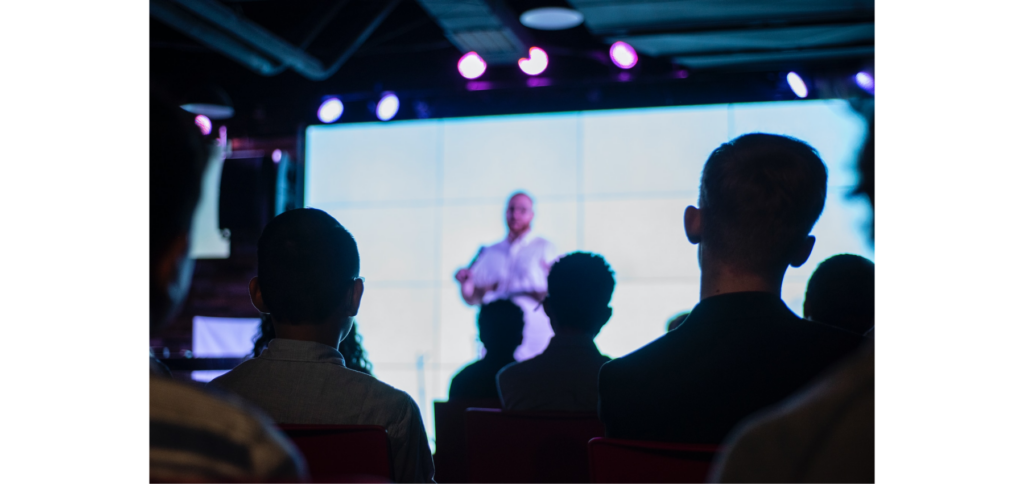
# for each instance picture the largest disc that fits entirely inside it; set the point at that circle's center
(691, 223)
(803, 252)
(256, 295)
(355, 297)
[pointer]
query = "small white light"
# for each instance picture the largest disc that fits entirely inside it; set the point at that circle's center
(797, 85)
(866, 81)
(551, 18)
(276, 156)
(330, 110)
(471, 65)
(387, 107)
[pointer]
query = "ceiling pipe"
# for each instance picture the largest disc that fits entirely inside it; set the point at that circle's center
(272, 45)
(166, 12)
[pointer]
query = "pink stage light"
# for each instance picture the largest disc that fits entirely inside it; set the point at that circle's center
(866, 81)
(537, 62)
(623, 55)
(387, 107)
(276, 156)
(204, 123)
(471, 65)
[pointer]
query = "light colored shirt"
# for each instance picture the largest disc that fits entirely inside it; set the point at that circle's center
(196, 435)
(302, 382)
(562, 378)
(518, 268)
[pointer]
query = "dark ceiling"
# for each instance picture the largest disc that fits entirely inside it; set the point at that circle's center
(692, 52)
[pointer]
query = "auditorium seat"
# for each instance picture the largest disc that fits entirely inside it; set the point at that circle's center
(343, 453)
(614, 460)
(529, 446)
(450, 437)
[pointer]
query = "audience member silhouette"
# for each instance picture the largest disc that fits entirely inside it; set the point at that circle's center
(307, 280)
(501, 331)
(194, 435)
(841, 292)
(351, 347)
(677, 320)
(564, 376)
(825, 433)
(741, 348)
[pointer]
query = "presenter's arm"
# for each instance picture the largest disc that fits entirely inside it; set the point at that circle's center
(471, 293)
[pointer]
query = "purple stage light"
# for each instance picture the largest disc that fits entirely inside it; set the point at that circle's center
(797, 85)
(204, 123)
(387, 107)
(330, 110)
(623, 55)
(537, 62)
(471, 65)
(276, 156)
(866, 81)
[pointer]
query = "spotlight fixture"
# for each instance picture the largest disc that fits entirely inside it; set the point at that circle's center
(204, 123)
(623, 55)
(537, 62)
(471, 65)
(797, 85)
(210, 101)
(551, 18)
(330, 110)
(866, 81)
(387, 107)
(276, 156)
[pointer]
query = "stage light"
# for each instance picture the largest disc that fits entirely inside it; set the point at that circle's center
(330, 110)
(797, 85)
(471, 65)
(866, 81)
(204, 123)
(537, 62)
(551, 18)
(387, 107)
(276, 156)
(623, 55)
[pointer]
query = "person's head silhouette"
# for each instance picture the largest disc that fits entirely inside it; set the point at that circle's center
(501, 328)
(307, 277)
(760, 195)
(580, 287)
(177, 159)
(841, 293)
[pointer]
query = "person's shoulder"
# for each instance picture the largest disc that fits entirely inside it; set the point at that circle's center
(180, 411)
(382, 392)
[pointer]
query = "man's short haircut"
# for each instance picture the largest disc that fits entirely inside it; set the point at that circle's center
(177, 160)
(841, 292)
(579, 286)
(760, 196)
(307, 262)
(500, 324)
(518, 193)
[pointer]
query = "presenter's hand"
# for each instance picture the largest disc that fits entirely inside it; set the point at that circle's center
(463, 275)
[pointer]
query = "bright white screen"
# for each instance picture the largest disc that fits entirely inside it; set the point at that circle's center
(421, 197)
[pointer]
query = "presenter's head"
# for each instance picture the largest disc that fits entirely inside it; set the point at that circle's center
(307, 277)
(519, 213)
(760, 195)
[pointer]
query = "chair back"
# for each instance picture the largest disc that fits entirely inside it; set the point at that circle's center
(529, 446)
(450, 437)
(343, 453)
(615, 460)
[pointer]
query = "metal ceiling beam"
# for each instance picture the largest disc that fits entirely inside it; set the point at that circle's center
(257, 36)
(488, 27)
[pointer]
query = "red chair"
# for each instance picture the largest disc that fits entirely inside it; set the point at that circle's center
(614, 460)
(343, 453)
(450, 437)
(529, 446)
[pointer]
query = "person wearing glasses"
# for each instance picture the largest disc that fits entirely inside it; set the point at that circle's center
(308, 282)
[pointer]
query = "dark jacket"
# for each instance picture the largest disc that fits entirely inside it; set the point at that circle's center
(735, 354)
